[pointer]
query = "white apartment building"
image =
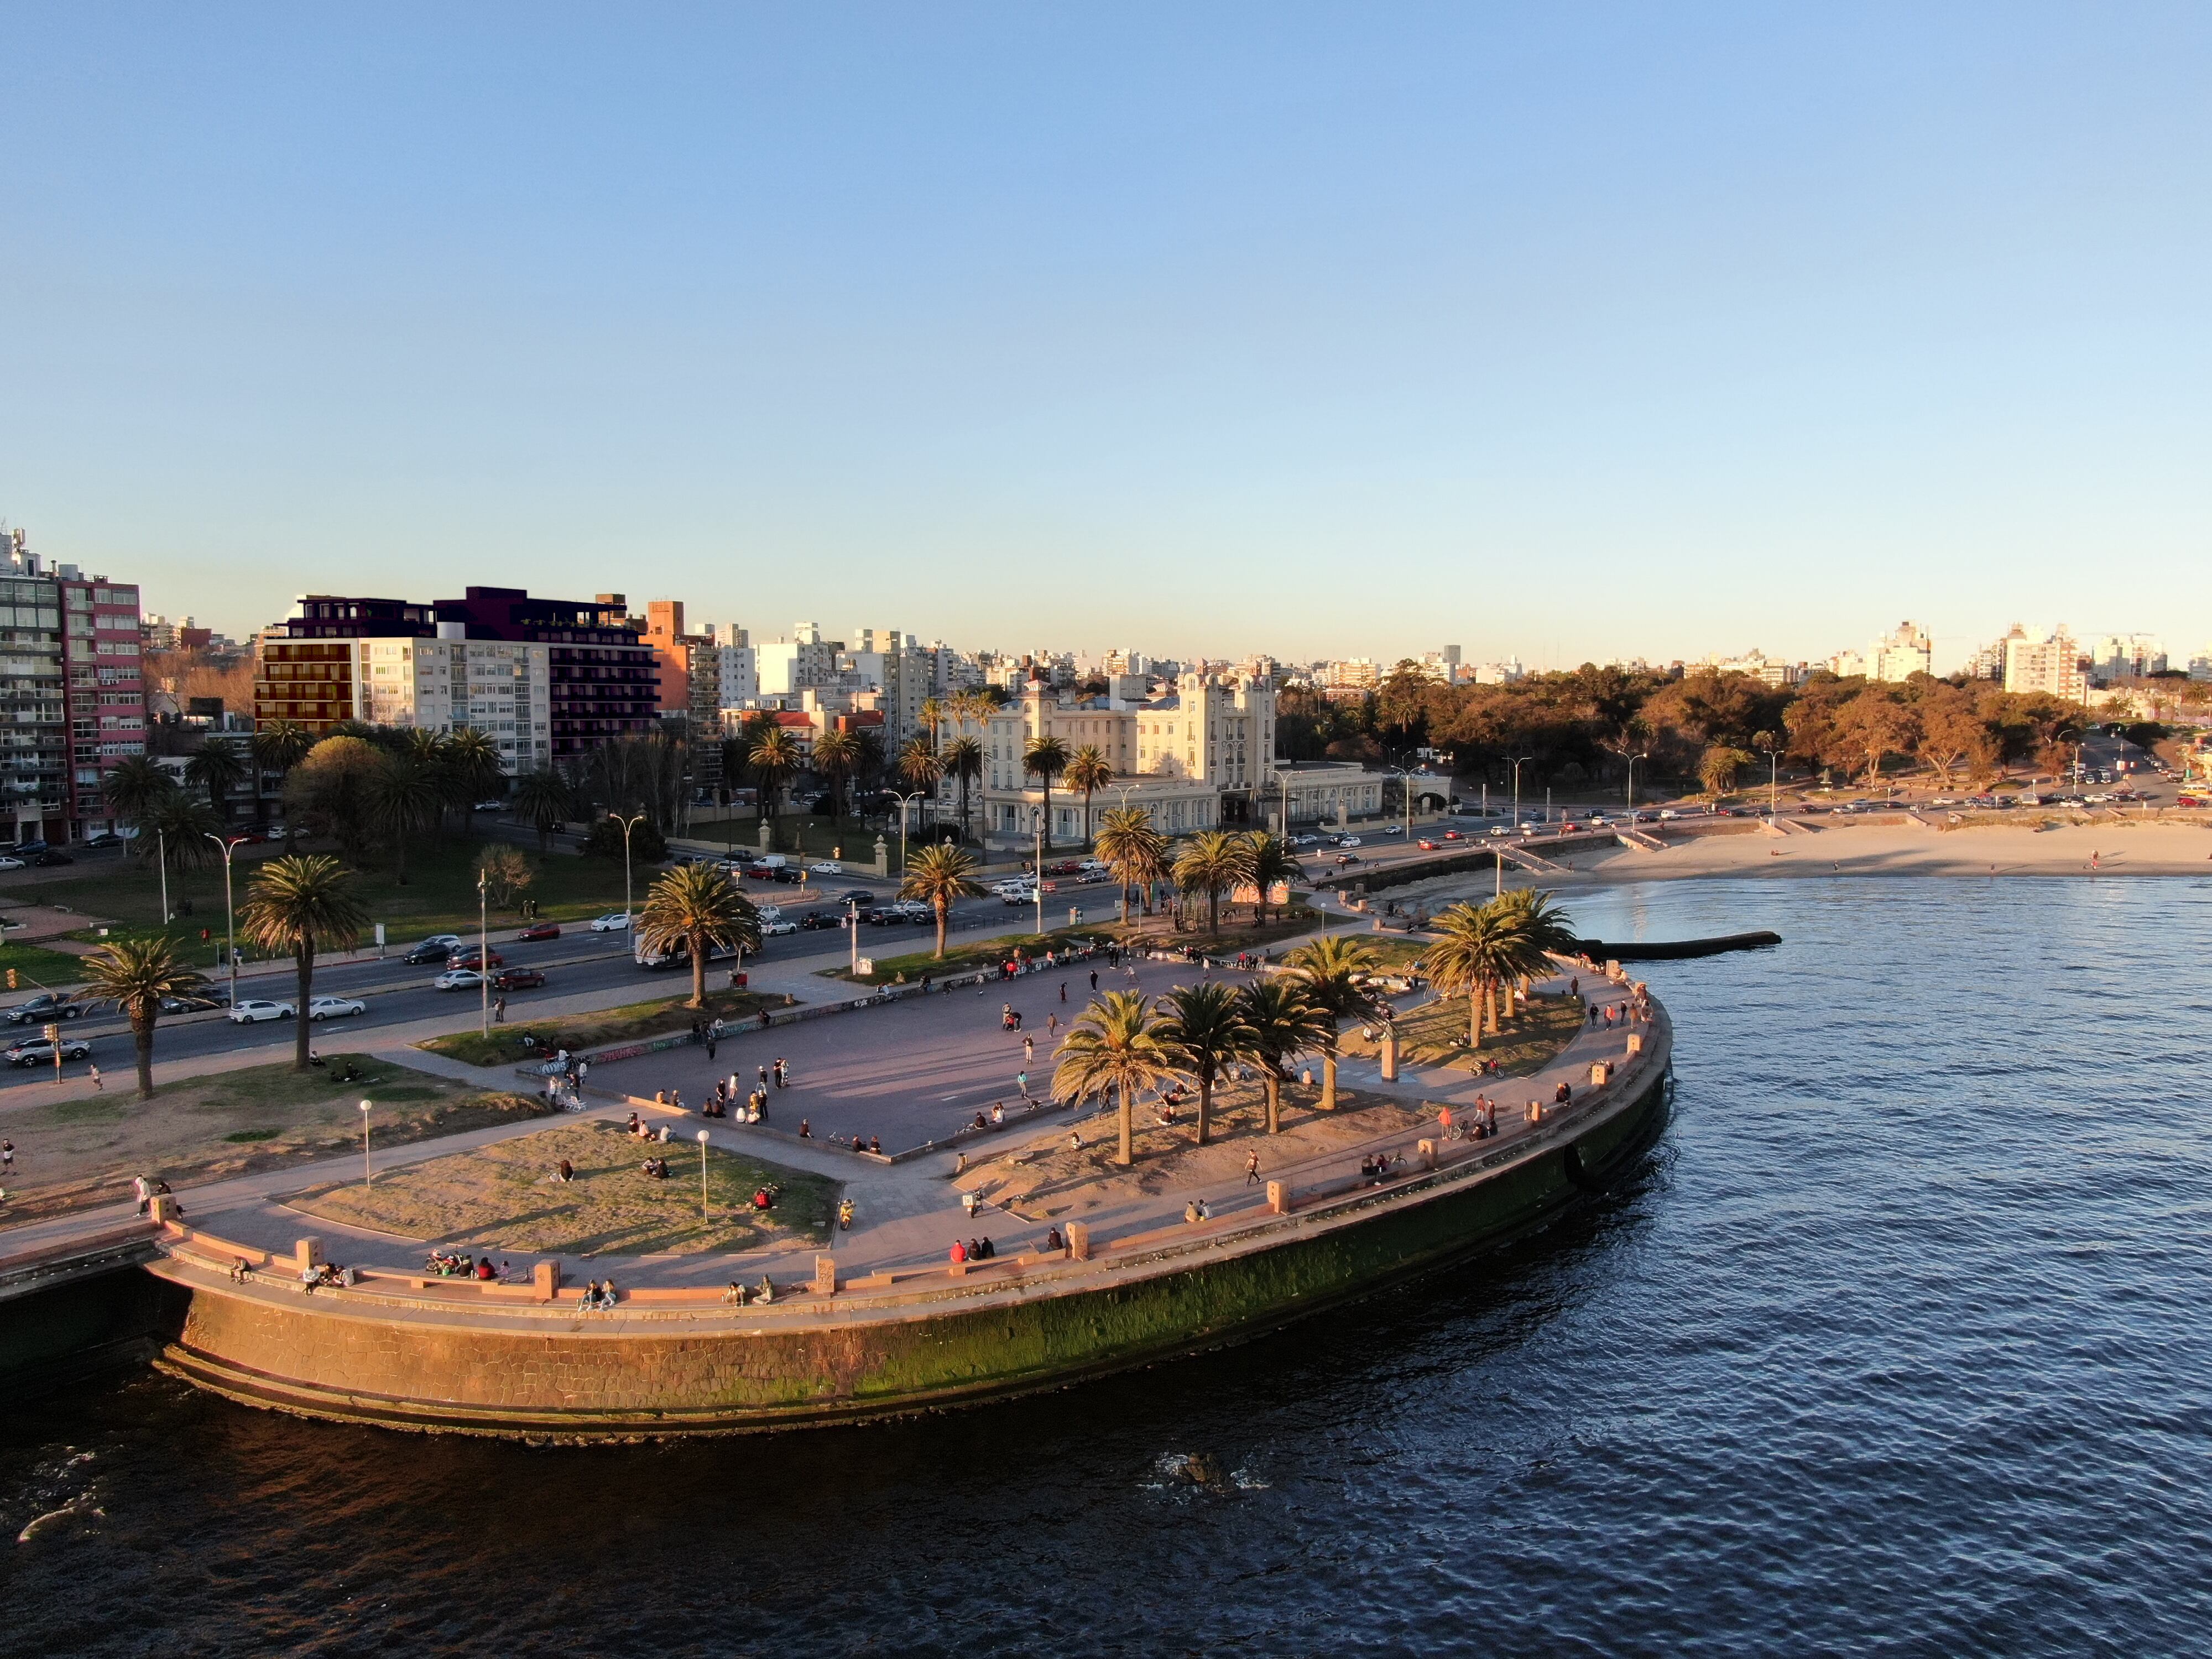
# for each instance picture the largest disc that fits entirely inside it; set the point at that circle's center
(2056, 663)
(1511, 672)
(2127, 657)
(1897, 657)
(443, 684)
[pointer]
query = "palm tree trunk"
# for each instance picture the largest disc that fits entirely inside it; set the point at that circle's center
(303, 958)
(1274, 1086)
(1086, 820)
(1213, 909)
(1328, 1079)
(1204, 1108)
(1474, 1018)
(1045, 780)
(698, 942)
(399, 858)
(141, 1034)
(939, 907)
(1128, 1129)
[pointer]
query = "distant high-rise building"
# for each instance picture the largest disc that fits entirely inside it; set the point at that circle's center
(2057, 665)
(1897, 657)
(2127, 657)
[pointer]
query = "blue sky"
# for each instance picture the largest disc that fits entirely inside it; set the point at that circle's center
(1567, 332)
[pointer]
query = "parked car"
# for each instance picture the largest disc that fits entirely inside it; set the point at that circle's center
(49, 859)
(25, 849)
(827, 867)
(106, 838)
(615, 922)
(456, 979)
(492, 806)
(475, 955)
(8, 862)
(42, 1009)
(811, 920)
(770, 929)
(336, 1007)
(252, 1011)
(37, 1051)
(538, 930)
(517, 979)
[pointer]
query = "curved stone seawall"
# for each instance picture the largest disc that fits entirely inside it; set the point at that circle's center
(541, 1373)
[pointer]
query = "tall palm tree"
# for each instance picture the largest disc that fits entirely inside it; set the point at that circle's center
(1213, 863)
(135, 975)
(933, 712)
(1114, 1047)
(1334, 973)
(302, 904)
(472, 757)
(964, 762)
(277, 746)
(1044, 759)
(1133, 850)
(1476, 946)
(698, 906)
(1284, 1025)
(835, 754)
(1205, 1026)
(134, 786)
(1547, 928)
(217, 767)
(404, 797)
(542, 798)
(1089, 770)
(941, 874)
(1267, 861)
(919, 765)
(775, 758)
(176, 827)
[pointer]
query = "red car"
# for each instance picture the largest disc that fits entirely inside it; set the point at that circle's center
(540, 930)
(1425, 845)
(474, 957)
(517, 979)
(1454, 834)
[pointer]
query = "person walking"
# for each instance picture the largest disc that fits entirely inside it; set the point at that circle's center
(1251, 1167)
(782, 1072)
(98, 1087)
(499, 1011)
(714, 1036)
(1094, 980)
(1028, 1051)
(7, 1157)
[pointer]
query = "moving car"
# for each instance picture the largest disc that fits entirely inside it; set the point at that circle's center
(335, 1007)
(37, 1051)
(540, 930)
(1425, 845)
(475, 955)
(811, 920)
(455, 979)
(40, 1010)
(194, 1004)
(492, 806)
(105, 838)
(1349, 841)
(858, 897)
(1454, 834)
(827, 867)
(1017, 896)
(253, 1012)
(517, 979)
(770, 929)
(436, 948)
(615, 922)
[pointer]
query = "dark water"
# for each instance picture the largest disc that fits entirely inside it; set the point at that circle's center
(1901, 1344)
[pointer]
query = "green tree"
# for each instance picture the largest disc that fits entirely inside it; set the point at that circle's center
(774, 760)
(1088, 771)
(217, 767)
(1284, 1025)
(329, 790)
(1213, 863)
(1267, 861)
(938, 875)
(1478, 948)
(1115, 1048)
(134, 784)
(1335, 974)
(699, 906)
(302, 904)
(176, 827)
(1718, 767)
(471, 759)
(544, 800)
(137, 975)
(964, 762)
(1204, 1026)
(1133, 850)
(403, 797)
(1044, 759)
(835, 753)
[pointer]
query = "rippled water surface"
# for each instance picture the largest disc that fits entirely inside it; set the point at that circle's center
(1901, 1342)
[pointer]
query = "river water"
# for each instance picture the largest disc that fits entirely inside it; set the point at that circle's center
(1900, 1342)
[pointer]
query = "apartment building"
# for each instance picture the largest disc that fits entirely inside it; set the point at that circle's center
(1897, 657)
(2056, 663)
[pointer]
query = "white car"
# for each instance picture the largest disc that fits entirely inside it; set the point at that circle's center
(253, 1013)
(492, 806)
(827, 867)
(1017, 896)
(1024, 886)
(457, 979)
(1349, 841)
(615, 922)
(771, 929)
(10, 864)
(336, 1007)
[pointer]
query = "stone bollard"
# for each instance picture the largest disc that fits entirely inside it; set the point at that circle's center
(826, 1275)
(1389, 1054)
(1079, 1241)
(1426, 1151)
(1636, 1042)
(161, 1210)
(767, 829)
(308, 1253)
(883, 858)
(545, 1279)
(1278, 1197)
(1601, 1074)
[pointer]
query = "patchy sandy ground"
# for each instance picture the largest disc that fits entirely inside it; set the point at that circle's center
(1048, 1179)
(1435, 1034)
(44, 924)
(508, 1196)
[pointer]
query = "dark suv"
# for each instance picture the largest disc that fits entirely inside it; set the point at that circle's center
(43, 1009)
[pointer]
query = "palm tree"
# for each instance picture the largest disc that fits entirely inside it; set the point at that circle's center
(403, 798)
(1133, 850)
(1204, 1027)
(218, 768)
(1333, 973)
(277, 747)
(135, 975)
(941, 874)
(1045, 758)
(1475, 948)
(1284, 1025)
(301, 903)
(543, 797)
(1088, 771)
(835, 753)
(1267, 861)
(775, 758)
(698, 906)
(176, 827)
(933, 712)
(1115, 1047)
(964, 762)
(1213, 863)
(920, 766)
(473, 760)
(136, 784)
(1547, 928)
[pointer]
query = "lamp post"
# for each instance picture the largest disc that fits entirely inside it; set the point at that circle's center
(627, 825)
(1642, 754)
(1773, 781)
(162, 863)
(703, 1176)
(365, 1176)
(905, 802)
(1037, 886)
(229, 913)
(484, 954)
(853, 926)
(1518, 762)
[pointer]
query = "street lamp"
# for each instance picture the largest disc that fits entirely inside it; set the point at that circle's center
(703, 1176)
(1036, 885)
(904, 801)
(1518, 762)
(365, 1176)
(853, 926)
(1773, 781)
(162, 863)
(1642, 754)
(627, 825)
(229, 914)
(484, 952)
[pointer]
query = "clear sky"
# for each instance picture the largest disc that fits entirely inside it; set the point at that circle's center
(1561, 331)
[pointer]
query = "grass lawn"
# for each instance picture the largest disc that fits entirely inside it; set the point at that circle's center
(960, 958)
(510, 1045)
(36, 966)
(440, 896)
(506, 1196)
(1159, 933)
(1435, 1034)
(74, 1153)
(808, 837)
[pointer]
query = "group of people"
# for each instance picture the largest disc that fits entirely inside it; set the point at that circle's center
(1375, 1170)
(447, 1264)
(655, 1168)
(599, 1295)
(644, 1131)
(1480, 1124)
(742, 1294)
(974, 1250)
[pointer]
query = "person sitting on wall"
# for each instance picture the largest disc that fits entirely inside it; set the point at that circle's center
(1053, 1240)
(485, 1270)
(875, 1143)
(1562, 1095)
